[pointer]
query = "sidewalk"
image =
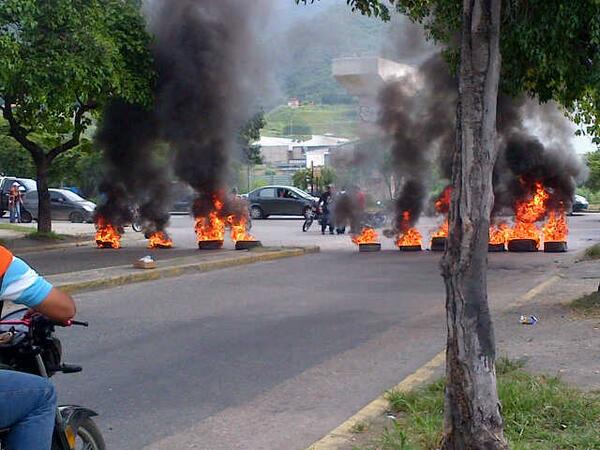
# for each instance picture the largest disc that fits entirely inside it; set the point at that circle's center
(563, 342)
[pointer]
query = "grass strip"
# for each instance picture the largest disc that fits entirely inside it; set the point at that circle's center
(587, 305)
(540, 413)
(13, 227)
(46, 236)
(592, 253)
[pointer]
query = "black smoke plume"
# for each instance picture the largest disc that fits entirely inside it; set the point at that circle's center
(207, 70)
(133, 178)
(206, 67)
(524, 159)
(348, 210)
(417, 112)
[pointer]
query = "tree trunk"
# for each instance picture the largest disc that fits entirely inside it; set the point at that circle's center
(44, 212)
(472, 410)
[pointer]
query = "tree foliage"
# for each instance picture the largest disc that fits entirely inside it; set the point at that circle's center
(60, 62)
(248, 135)
(593, 163)
(319, 179)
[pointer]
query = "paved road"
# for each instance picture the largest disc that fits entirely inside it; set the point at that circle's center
(269, 356)
(584, 230)
(287, 231)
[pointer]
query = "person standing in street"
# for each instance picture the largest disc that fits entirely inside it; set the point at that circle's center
(15, 201)
(325, 202)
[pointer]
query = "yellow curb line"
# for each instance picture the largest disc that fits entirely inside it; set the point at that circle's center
(529, 295)
(343, 433)
(377, 407)
(175, 271)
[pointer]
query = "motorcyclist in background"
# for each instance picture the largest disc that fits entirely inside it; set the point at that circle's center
(28, 402)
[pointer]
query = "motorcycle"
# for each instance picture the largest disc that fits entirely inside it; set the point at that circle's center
(28, 344)
(376, 219)
(136, 220)
(314, 213)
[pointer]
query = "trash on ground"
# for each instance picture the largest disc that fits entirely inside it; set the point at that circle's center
(528, 320)
(147, 262)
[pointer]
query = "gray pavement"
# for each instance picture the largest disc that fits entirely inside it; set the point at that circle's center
(269, 356)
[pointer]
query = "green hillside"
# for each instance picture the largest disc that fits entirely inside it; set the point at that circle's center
(307, 49)
(339, 120)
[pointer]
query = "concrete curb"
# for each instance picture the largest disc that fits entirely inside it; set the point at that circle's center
(343, 434)
(178, 270)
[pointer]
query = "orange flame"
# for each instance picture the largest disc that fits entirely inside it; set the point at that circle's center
(499, 234)
(106, 234)
(528, 212)
(238, 229)
(211, 228)
(442, 230)
(408, 236)
(442, 204)
(367, 236)
(159, 239)
(556, 229)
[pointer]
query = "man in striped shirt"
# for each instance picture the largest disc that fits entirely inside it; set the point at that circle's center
(28, 402)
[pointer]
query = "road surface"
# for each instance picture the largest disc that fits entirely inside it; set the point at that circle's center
(269, 356)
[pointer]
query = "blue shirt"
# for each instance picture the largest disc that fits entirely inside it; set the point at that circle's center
(23, 285)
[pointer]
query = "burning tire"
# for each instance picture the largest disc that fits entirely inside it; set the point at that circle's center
(438, 244)
(369, 248)
(410, 248)
(555, 247)
(496, 248)
(210, 245)
(522, 245)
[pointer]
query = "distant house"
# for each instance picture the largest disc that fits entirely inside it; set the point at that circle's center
(290, 155)
(294, 103)
(318, 149)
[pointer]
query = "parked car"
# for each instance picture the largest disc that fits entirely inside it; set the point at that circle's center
(64, 205)
(580, 203)
(279, 201)
(25, 186)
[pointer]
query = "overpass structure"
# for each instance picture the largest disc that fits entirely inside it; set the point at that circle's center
(363, 77)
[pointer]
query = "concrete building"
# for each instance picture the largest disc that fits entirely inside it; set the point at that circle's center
(275, 150)
(290, 155)
(363, 77)
(316, 150)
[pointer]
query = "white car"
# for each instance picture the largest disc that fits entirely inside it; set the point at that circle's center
(580, 203)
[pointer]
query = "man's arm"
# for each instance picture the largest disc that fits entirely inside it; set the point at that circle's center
(23, 286)
(58, 306)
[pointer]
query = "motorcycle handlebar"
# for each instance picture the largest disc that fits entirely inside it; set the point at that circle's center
(28, 322)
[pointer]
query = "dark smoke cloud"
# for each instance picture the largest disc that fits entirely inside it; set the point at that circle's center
(417, 112)
(207, 70)
(348, 210)
(208, 81)
(128, 135)
(524, 159)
